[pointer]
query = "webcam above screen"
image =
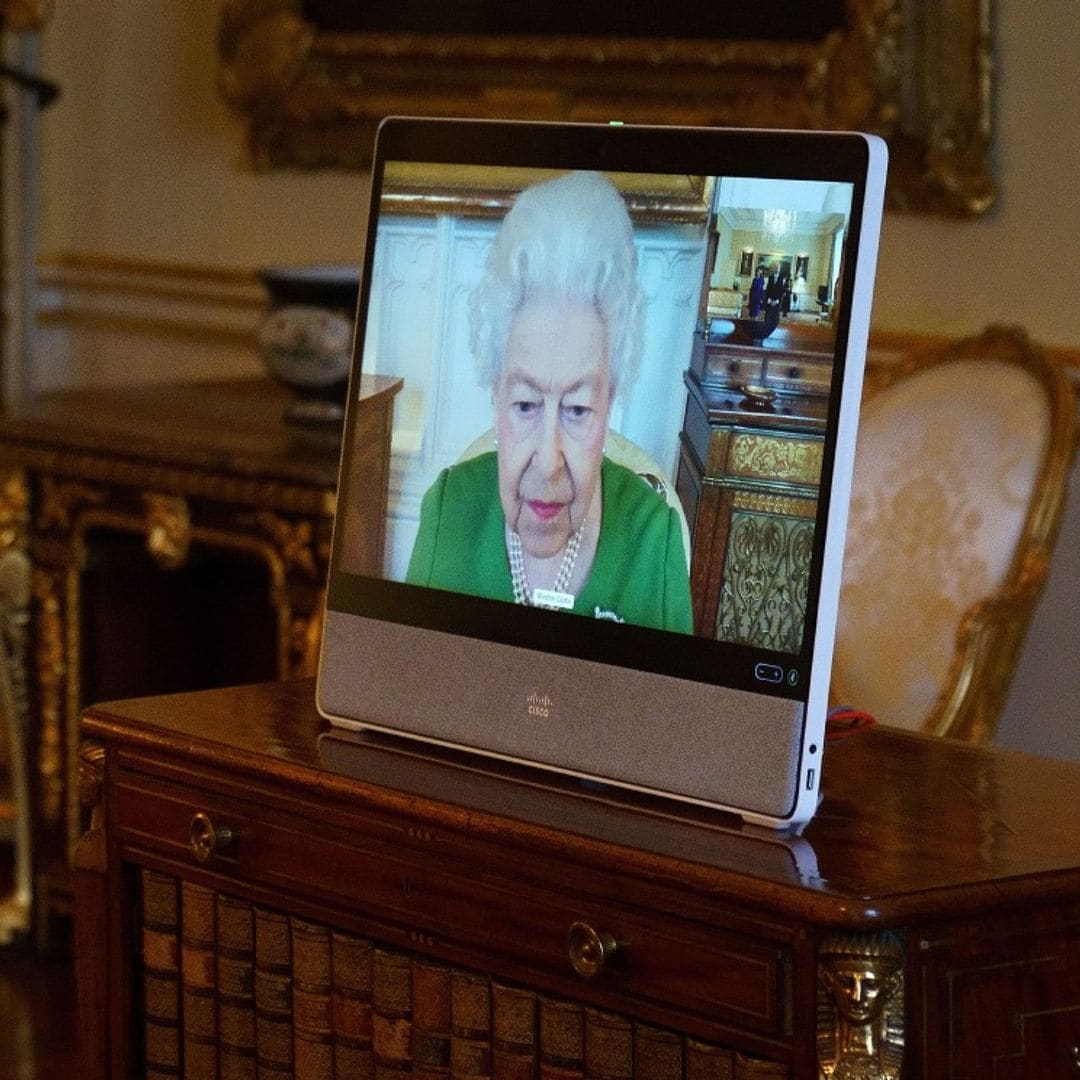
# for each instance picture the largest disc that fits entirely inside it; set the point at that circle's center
(630, 362)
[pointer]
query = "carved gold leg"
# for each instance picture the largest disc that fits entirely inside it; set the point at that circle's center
(861, 1007)
(15, 908)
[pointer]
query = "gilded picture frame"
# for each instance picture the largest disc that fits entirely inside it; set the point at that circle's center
(920, 75)
(21, 16)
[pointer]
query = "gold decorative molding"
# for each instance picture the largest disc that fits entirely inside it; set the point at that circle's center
(264, 47)
(191, 482)
(14, 702)
(311, 96)
(14, 607)
(59, 499)
(50, 660)
(165, 523)
(796, 461)
(168, 529)
(14, 509)
(427, 190)
(20, 16)
(280, 544)
(14, 620)
(861, 1007)
(294, 539)
(785, 505)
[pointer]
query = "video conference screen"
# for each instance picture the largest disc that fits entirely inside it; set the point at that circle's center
(572, 348)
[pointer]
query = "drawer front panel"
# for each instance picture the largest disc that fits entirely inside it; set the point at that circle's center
(720, 975)
(728, 369)
(800, 374)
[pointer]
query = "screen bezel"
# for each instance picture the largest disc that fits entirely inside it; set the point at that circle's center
(610, 148)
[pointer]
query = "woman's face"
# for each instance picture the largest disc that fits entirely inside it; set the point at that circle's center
(551, 416)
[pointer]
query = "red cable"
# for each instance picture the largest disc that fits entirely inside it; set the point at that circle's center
(844, 721)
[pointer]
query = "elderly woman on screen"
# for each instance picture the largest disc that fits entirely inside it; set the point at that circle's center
(546, 519)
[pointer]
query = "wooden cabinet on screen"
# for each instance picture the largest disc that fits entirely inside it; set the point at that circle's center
(750, 459)
(256, 895)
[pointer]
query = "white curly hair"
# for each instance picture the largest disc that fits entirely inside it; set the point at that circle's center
(569, 238)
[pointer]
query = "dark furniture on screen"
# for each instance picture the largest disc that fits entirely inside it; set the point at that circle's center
(944, 878)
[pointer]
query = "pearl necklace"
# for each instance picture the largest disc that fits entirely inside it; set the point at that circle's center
(555, 597)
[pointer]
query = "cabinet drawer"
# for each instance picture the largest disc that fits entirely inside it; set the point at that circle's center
(805, 374)
(731, 368)
(416, 881)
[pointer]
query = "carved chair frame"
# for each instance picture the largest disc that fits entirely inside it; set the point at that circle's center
(991, 632)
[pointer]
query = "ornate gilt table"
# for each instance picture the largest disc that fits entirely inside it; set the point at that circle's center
(926, 925)
(160, 538)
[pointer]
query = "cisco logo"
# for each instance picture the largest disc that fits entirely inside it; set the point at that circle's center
(539, 705)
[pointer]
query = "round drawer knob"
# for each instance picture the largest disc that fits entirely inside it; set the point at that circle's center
(590, 952)
(209, 839)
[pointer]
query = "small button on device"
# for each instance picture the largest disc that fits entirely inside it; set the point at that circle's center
(768, 673)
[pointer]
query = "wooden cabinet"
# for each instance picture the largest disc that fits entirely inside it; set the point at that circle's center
(750, 459)
(928, 917)
(748, 477)
(169, 537)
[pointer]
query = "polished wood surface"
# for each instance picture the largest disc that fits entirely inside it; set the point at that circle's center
(966, 857)
(906, 824)
(230, 425)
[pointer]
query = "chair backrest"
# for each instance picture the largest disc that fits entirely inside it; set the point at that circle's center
(623, 452)
(960, 477)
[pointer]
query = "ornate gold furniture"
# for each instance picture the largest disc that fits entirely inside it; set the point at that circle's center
(960, 478)
(173, 537)
(926, 925)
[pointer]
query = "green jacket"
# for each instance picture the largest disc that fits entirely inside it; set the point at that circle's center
(639, 572)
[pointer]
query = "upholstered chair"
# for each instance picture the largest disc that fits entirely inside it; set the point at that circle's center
(961, 469)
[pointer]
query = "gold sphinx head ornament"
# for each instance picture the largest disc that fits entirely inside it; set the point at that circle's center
(861, 979)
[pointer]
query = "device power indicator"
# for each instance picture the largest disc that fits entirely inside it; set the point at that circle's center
(770, 673)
